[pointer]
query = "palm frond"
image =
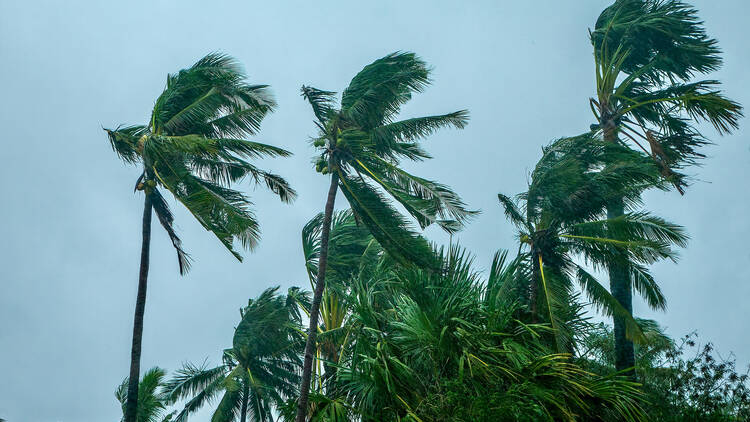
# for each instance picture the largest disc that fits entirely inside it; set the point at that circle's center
(643, 282)
(222, 211)
(322, 102)
(428, 201)
(416, 128)
(161, 208)
(665, 37)
(191, 380)
(124, 141)
(512, 211)
(212, 99)
(385, 223)
(377, 92)
(604, 302)
(228, 409)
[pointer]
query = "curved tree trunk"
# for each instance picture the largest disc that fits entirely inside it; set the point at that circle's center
(131, 404)
(312, 332)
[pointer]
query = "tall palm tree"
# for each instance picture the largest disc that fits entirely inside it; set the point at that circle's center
(561, 217)
(193, 147)
(361, 146)
(647, 54)
(258, 373)
(151, 401)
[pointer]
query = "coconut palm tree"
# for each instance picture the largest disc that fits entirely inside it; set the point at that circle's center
(361, 146)
(647, 54)
(193, 147)
(151, 401)
(258, 373)
(561, 217)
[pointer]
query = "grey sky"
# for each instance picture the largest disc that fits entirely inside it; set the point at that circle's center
(71, 223)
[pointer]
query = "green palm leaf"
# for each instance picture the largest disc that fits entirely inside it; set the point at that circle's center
(385, 223)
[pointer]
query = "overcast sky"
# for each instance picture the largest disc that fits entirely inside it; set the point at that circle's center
(71, 224)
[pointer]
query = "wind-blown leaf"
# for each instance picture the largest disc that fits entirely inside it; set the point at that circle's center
(376, 93)
(161, 208)
(386, 224)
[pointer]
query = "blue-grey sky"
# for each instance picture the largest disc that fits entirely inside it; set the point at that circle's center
(71, 224)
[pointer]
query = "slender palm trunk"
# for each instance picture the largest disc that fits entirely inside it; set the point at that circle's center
(619, 276)
(619, 284)
(312, 332)
(131, 405)
(534, 288)
(245, 397)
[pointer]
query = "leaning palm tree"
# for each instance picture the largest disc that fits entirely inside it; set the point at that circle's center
(152, 403)
(258, 373)
(192, 146)
(561, 217)
(361, 146)
(647, 54)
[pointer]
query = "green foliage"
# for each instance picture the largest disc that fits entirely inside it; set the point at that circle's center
(445, 345)
(561, 217)
(193, 147)
(258, 373)
(347, 242)
(152, 402)
(683, 381)
(412, 332)
(647, 52)
(362, 143)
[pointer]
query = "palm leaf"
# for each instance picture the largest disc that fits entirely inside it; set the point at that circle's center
(377, 92)
(161, 208)
(385, 224)
(322, 102)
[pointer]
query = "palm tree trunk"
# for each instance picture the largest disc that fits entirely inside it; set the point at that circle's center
(619, 284)
(619, 275)
(312, 333)
(131, 404)
(534, 288)
(245, 394)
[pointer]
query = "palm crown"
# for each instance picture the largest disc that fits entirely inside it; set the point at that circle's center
(193, 147)
(561, 216)
(647, 52)
(363, 144)
(260, 370)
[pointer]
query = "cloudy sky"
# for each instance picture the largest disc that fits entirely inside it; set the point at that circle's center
(71, 224)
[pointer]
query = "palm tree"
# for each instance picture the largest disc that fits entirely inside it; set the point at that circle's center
(192, 147)
(647, 54)
(361, 147)
(560, 217)
(258, 373)
(151, 401)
